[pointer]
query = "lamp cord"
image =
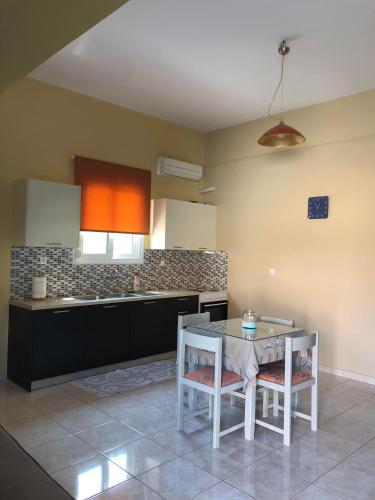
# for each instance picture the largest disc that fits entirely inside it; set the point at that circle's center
(281, 83)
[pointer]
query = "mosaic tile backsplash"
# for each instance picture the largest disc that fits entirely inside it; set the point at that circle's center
(182, 269)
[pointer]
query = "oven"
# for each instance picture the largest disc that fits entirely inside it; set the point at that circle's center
(218, 309)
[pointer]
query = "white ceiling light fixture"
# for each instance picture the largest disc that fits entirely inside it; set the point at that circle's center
(281, 135)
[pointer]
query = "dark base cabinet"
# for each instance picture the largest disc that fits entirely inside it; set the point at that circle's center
(107, 334)
(58, 344)
(218, 309)
(48, 343)
(20, 346)
(147, 323)
(178, 306)
(154, 325)
(44, 344)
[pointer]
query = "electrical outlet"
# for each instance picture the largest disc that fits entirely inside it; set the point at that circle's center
(162, 262)
(43, 260)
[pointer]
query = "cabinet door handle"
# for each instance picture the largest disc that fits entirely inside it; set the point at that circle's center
(215, 305)
(182, 312)
(54, 243)
(109, 307)
(184, 298)
(61, 312)
(150, 302)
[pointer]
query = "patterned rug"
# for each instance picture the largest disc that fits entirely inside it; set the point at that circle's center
(128, 379)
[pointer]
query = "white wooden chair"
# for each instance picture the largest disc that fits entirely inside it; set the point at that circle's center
(277, 321)
(190, 320)
(264, 391)
(289, 382)
(212, 380)
(275, 400)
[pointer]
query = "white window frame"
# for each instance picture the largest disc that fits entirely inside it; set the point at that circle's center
(135, 258)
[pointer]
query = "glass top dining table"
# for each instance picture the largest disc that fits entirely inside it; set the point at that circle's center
(233, 328)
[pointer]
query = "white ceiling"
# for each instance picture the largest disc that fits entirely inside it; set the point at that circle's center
(208, 64)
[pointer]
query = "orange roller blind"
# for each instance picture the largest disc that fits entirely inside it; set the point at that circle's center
(114, 198)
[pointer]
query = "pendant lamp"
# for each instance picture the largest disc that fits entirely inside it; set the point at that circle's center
(281, 135)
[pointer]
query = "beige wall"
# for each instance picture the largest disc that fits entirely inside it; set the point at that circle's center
(41, 126)
(325, 269)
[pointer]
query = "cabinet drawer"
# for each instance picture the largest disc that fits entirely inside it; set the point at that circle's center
(175, 307)
(185, 305)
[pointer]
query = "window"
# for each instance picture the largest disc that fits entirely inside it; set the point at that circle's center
(105, 248)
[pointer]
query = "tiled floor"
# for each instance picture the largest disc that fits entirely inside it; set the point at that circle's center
(127, 446)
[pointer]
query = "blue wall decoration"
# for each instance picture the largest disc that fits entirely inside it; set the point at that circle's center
(318, 207)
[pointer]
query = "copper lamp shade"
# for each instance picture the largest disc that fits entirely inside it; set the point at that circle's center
(280, 136)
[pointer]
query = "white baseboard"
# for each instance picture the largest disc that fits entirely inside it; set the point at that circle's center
(347, 374)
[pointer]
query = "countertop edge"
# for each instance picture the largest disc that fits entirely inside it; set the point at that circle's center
(66, 302)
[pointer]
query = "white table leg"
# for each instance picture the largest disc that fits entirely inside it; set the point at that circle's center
(210, 406)
(275, 396)
(265, 402)
(250, 404)
(295, 400)
(216, 423)
(192, 399)
(287, 417)
(192, 393)
(314, 407)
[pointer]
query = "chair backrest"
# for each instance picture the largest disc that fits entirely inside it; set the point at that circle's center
(298, 342)
(208, 341)
(192, 319)
(277, 321)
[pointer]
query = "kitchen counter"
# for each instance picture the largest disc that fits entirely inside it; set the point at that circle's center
(67, 302)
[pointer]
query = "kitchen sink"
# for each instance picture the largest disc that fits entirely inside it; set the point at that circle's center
(143, 294)
(114, 296)
(87, 297)
(119, 295)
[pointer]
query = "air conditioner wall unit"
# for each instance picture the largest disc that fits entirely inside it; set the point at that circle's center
(177, 168)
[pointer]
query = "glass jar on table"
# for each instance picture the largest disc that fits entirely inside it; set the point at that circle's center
(249, 320)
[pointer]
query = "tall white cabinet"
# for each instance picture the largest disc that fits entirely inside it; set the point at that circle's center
(182, 225)
(46, 214)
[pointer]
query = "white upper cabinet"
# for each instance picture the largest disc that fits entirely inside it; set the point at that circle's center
(47, 214)
(177, 225)
(203, 226)
(182, 225)
(170, 224)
